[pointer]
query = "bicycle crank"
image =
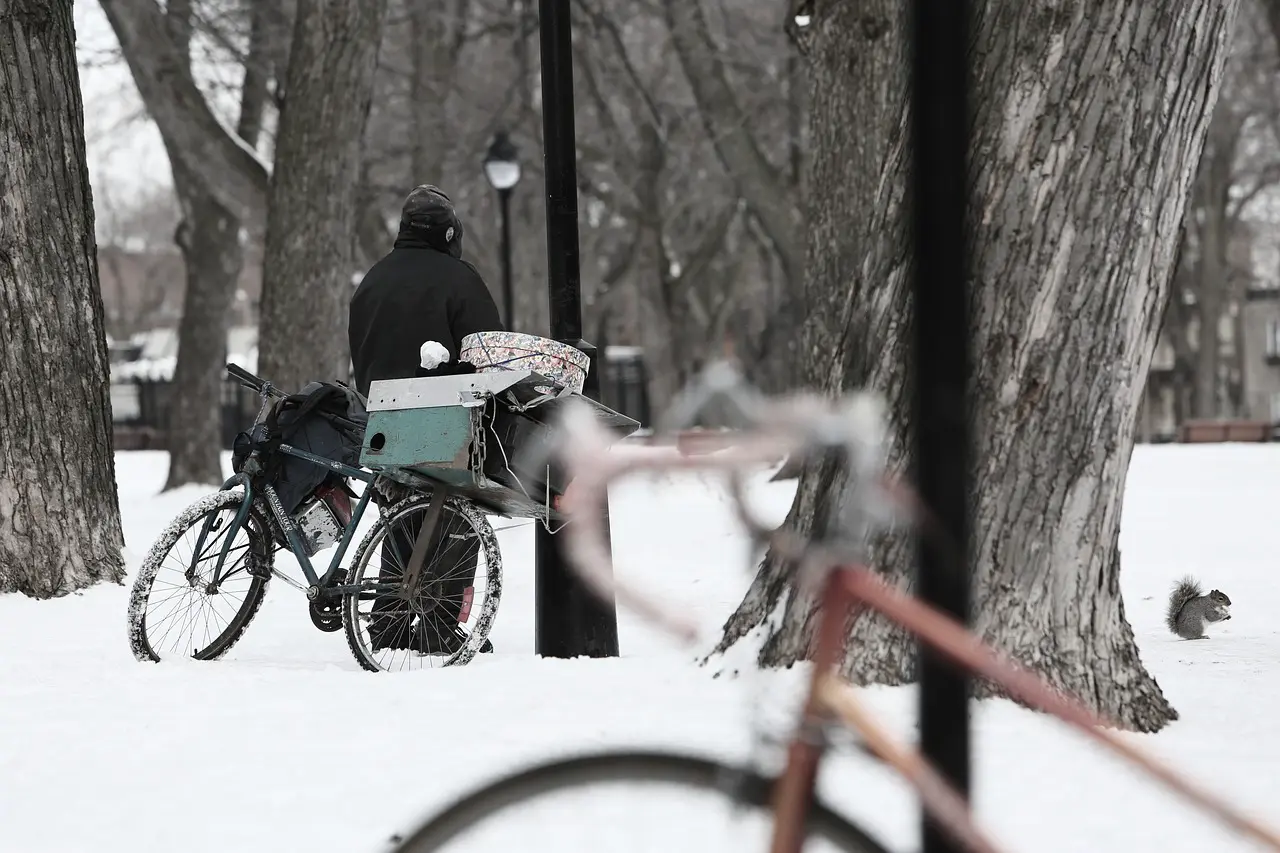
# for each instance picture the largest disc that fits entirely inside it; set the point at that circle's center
(326, 610)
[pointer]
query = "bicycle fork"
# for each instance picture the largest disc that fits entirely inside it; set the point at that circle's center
(209, 526)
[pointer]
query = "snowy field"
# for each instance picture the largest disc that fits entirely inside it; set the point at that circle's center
(285, 745)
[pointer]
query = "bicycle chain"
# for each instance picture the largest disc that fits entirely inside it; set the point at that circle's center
(479, 446)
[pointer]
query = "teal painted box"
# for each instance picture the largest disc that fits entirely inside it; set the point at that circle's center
(424, 428)
(439, 436)
(426, 424)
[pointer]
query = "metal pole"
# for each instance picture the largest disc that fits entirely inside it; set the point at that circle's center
(569, 621)
(940, 140)
(508, 296)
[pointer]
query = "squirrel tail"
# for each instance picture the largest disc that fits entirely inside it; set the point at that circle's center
(1184, 590)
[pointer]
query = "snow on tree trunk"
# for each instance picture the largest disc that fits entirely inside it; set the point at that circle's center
(307, 262)
(1089, 120)
(59, 517)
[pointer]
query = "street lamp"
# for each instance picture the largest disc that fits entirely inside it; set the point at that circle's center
(502, 168)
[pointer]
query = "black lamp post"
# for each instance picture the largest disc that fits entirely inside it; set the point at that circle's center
(502, 168)
(569, 619)
(939, 184)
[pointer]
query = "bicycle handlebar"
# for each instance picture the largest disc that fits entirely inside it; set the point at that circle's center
(251, 381)
(803, 424)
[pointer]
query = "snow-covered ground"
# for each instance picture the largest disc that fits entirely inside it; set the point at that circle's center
(285, 745)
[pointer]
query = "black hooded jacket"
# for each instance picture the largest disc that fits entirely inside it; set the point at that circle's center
(416, 293)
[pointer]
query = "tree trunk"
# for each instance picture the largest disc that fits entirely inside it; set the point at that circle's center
(307, 261)
(1088, 123)
(438, 31)
(1211, 289)
(59, 516)
(209, 238)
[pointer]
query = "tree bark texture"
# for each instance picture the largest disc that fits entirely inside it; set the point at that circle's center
(307, 262)
(1088, 123)
(59, 516)
(209, 238)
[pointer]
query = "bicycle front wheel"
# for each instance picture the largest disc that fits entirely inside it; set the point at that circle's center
(626, 801)
(174, 611)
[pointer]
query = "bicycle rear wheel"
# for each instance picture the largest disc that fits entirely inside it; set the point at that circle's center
(448, 622)
(471, 823)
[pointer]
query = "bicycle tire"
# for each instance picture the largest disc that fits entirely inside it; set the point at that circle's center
(744, 786)
(258, 564)
(372, 541)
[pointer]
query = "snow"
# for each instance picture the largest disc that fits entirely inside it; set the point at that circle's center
(286, 745)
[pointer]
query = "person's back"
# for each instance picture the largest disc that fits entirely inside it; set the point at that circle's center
(421, 291)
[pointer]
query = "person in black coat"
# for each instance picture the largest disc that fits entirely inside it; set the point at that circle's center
(421, 291)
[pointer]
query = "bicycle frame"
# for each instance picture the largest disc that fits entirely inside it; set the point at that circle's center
(316, 581)
(846, 593)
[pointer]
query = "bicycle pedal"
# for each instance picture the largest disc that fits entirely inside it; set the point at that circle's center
(326, 612)
(326, 616)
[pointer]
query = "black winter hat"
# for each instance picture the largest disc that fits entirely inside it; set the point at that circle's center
(429, 212)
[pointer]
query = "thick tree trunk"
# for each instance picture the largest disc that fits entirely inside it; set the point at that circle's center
(307, 262)
(1088, 124)
(59, 516)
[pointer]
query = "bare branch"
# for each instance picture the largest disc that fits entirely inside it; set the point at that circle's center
(225, 169)
(762, 185)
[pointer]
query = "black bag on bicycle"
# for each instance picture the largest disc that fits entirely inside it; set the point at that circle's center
(324, 418)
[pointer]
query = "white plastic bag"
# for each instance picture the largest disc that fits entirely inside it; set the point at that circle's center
(433, 354)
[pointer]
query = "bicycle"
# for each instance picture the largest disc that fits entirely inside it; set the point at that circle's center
(240, 528)
(831, 571)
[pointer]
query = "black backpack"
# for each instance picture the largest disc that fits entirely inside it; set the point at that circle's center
(327, 419)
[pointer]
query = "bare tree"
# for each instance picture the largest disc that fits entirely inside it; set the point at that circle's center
(1239, 163)
(221, 187)
(1088, 122)
(764, 185)
(209, 236)
(307, 263)
(230, 170)
(59, 516)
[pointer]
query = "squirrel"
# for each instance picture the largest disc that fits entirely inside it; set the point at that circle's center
(1189, 609)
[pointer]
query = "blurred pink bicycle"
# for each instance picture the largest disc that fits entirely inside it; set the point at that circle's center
(829, 571)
